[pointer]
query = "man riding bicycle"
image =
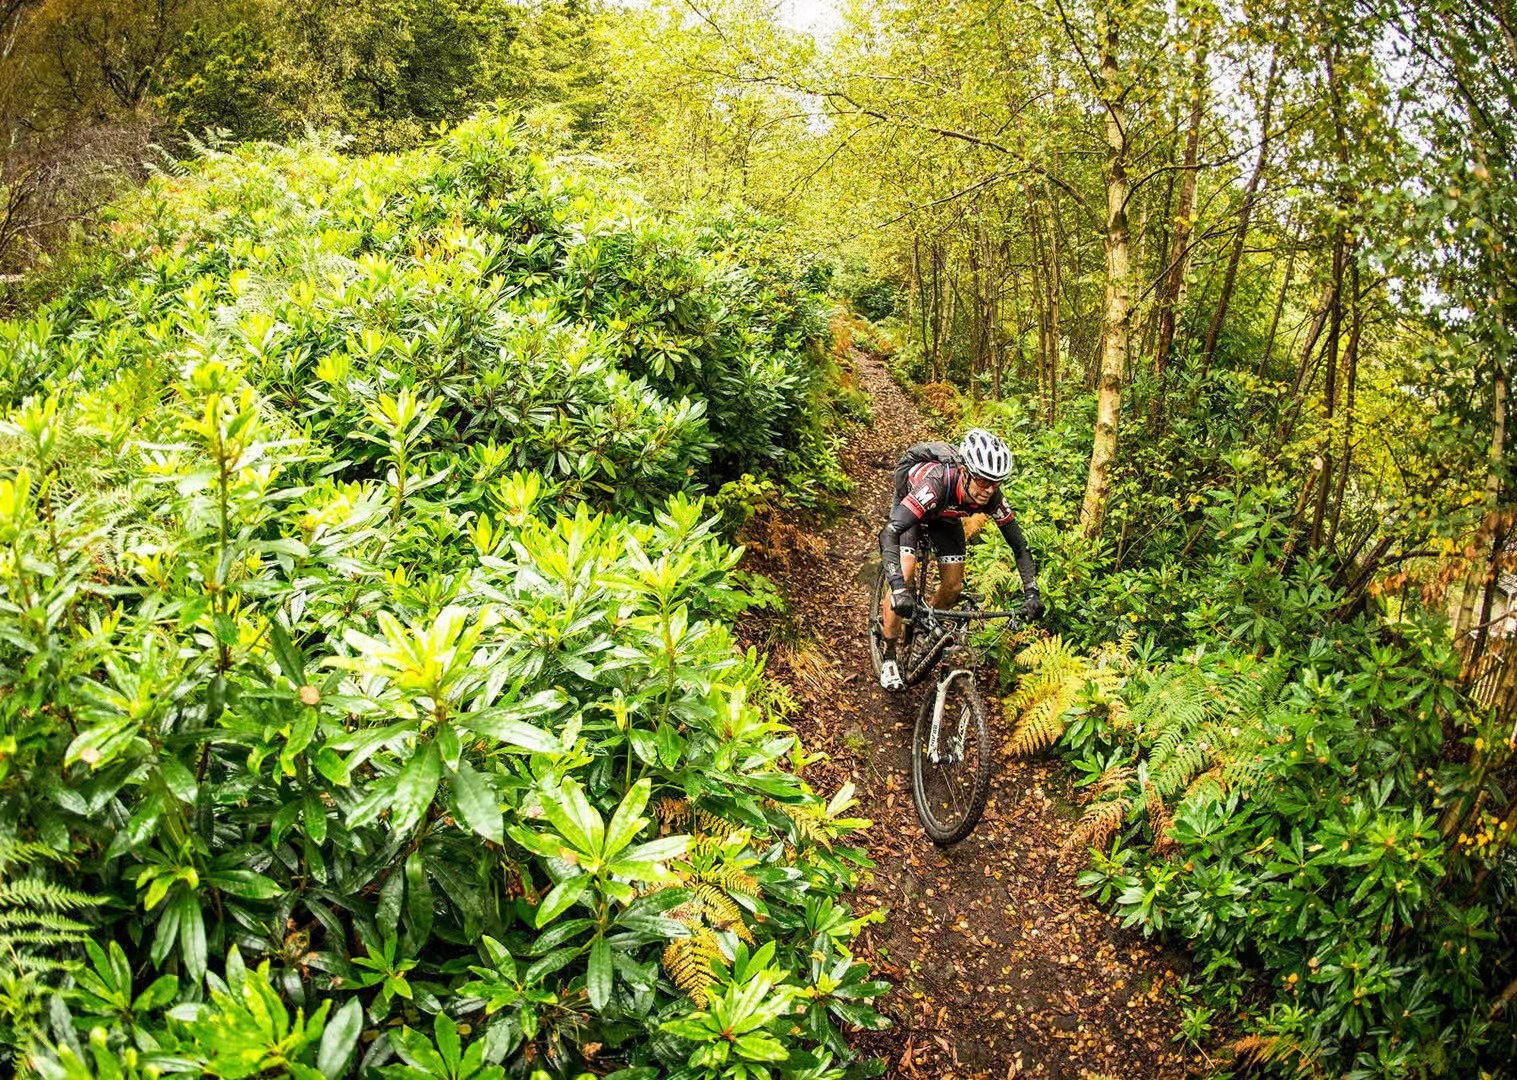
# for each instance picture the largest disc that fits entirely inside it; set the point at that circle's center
(935, 495)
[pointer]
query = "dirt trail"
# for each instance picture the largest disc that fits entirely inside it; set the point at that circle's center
(1002, 969)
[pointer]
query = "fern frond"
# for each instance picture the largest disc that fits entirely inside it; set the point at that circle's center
(1245, 772)
(1098, 823)
(1176, 700)
(1050, 652)
(708, 824)
(36, 893)
(1261, 1049)
(720, 911)
(688, 962)
(1058, 679)
(728, 878)
(1188, 761)
(27, 853)
(37, 920)
(674, 815)
(1161, 822)
(1041, 721)
(1213, 781)
(810, 824)
(1110, 781)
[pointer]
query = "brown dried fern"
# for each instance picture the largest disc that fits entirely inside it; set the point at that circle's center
(1109, 782)
(680, 815)
(1213, 779)
(673, 815)
(1161, 822)
(1099, 822)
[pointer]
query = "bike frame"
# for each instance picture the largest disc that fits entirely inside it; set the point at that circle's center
(957, 649)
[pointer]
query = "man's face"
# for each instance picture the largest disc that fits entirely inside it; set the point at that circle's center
(980, 489)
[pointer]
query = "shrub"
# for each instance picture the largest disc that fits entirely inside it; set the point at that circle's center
(361, 641)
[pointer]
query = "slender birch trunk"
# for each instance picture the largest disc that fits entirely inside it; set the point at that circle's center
(1114, 324)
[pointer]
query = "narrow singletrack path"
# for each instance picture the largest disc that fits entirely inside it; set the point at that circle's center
(1002, 969)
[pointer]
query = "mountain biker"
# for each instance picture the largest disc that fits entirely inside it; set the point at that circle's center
(936, 495)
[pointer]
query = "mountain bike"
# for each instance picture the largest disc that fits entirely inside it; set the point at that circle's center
(950, 743)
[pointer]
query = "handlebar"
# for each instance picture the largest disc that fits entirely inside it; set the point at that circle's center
(967, 616)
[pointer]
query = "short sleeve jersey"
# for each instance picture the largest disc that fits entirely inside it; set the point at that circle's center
(935, 490)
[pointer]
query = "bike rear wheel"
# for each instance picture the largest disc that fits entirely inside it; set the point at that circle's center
(950, 774)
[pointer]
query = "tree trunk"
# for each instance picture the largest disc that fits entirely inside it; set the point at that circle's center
(1038, 265)
(1285, 284)
(1054, 283)
(916, 278)
(1480, 570)
(935, 357)
(1350, 381)
(993, 318)
(1114, 324)
(1172, 292)
(1250, 193)
(1330, 390)
(1292, 405)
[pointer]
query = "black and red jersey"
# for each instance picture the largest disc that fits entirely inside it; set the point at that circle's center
(936, 490)
(934, 496)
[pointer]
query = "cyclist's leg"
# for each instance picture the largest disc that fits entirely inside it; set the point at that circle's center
(892, 621)
(948, 539)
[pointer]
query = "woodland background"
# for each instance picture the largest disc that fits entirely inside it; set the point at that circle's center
(1235, 281)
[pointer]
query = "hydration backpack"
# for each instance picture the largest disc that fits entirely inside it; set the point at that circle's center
(941, 452)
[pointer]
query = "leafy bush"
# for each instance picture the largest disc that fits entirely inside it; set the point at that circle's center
(555, 322)
(356, 714)
(1283, 818)
(1284, 772)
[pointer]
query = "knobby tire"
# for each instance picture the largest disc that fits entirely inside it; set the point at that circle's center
(951, 798)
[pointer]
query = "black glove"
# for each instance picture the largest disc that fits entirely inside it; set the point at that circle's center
(1032, 603)
(903, 603)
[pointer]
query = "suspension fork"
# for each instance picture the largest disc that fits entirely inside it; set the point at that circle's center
(939, 696)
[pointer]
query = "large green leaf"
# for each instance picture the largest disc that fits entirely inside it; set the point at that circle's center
(575, 819)
(628, 821)
(511, 732)
(477, 803)
(598, 977)
(415, 788)
(191, 935)
(560, 898)
(339, 1039)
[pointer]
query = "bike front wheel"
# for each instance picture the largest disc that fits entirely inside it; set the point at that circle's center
(950, 759)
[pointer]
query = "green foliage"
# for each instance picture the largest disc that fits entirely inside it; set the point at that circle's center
(545, 318)
(39, 923)
(1284, 779)
(1284, 816)
(356, 602)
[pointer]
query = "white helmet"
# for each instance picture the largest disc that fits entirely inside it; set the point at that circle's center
(985, 455)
